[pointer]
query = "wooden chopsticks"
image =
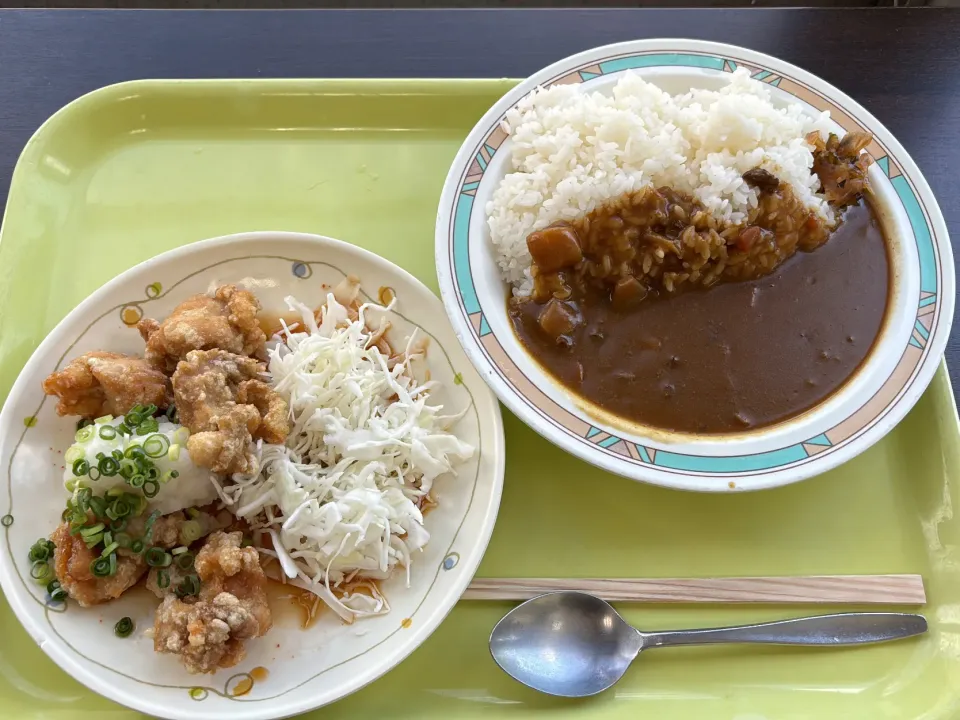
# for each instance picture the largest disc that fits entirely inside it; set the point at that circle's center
(810, 589)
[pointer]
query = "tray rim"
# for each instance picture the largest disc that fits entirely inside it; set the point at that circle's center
(942, 366)
(80, 103)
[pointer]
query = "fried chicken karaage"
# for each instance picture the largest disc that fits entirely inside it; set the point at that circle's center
(204, 365)
(72, 560)
(106, 383)
(208, 631)
(225, 406)
(227, 321)
(273, 409)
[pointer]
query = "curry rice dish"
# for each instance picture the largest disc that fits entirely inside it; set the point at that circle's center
(663, 312)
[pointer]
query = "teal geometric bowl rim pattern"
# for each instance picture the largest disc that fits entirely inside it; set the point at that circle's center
(932, 309)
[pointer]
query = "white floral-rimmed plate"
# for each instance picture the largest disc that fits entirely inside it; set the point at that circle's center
(870, 404)
(305, 668)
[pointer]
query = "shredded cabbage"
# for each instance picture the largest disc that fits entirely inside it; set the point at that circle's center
(341, 500)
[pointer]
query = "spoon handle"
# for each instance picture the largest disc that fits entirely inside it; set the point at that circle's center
(839, 629)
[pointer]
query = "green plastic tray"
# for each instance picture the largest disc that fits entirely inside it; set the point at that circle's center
(136, 169)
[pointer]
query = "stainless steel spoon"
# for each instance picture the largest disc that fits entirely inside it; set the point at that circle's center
(574, 645)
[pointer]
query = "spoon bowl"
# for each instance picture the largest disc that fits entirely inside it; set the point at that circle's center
(566, 643)
(573, 644)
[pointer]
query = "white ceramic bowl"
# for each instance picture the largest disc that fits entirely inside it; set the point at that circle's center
(859, 414)
(307, 668)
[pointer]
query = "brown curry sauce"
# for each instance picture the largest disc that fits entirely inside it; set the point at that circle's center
(736, 356)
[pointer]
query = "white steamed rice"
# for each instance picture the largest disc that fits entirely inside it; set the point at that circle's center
(572, 150)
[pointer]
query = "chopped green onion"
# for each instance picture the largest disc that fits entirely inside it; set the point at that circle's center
(119, 524)
(73, 454)
(150, 425)
(139, 413)
(137, 481)
(156, 445)
(134, 451)
(56, 591)
(163, 579)
(123, 628)
(93, 540)
(173, 454)
(117, 454)
(99, 506)
(72, 484)
(123, 540)
(41, 550)
(148, 527)
(190, 531)
(108, 432)
(92, 530)
(158, 557)
(41, 572)
(153, 473)
(181, 435)
(83, 499)
(85, 433)
(193, 512)
(94, 473)
(103, 420)
(151, 488)
(81, 467)
(185, 561)
(111, 548)
(128, 468)
(137, 546)
(189, 586)
(122, 429)
(172, 414)
(108, 466)
(179, 550)
(82, 423)
(121, 507)
(101, 566)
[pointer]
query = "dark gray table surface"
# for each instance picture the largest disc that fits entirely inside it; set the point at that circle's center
(903, 65)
